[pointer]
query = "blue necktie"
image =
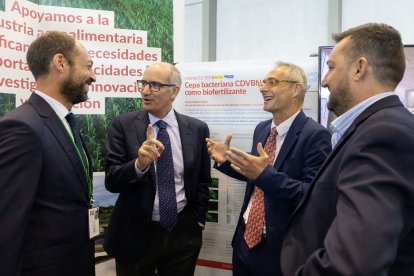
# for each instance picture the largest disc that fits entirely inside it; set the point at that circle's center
(76, 135)
(166, 183)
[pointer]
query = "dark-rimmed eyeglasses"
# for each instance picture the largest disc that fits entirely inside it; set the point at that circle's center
(272, 82)
(154, 86)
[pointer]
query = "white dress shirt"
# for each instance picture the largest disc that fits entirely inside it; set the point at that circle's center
(282, 130)
(177, 153)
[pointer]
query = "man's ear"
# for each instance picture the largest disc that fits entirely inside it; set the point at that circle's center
(297, 90)
(175, 92)
(361, 68)
(59, 62)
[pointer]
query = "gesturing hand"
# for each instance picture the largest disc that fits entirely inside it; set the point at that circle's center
(149, 151)
(218, 151)
(246, 164)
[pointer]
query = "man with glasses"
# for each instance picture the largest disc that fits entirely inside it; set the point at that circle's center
(158, 162)
(286, 154)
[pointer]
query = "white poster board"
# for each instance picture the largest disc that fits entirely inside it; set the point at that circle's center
(226, 96)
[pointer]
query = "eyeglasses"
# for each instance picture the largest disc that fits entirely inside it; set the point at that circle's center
(274, 82)
(154, 86)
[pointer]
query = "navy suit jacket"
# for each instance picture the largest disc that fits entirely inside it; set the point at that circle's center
(304, 149)
(43, 196)
(131, 218)
(358, 215)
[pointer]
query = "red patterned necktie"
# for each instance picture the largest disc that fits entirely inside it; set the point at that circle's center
(255, 222)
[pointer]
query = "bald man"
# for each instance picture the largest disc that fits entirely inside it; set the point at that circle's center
(151, 228)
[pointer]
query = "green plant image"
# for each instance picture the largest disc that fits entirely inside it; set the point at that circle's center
(212, 217)
(214, 183)
(214, 194)
(95, 127)
(155, 17)
(7, 103)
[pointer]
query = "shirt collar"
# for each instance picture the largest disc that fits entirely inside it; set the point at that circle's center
(57, 106)
(283, 127)
(342, 123)
(170, 119)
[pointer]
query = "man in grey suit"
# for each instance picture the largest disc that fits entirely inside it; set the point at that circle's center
(161, 209)
(45, 183)
(357, 217)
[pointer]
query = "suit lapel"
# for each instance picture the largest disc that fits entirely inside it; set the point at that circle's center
(140, 128)
(291, 138)
(141, 125)
(56, 127)
(187, 141)
(263, 135)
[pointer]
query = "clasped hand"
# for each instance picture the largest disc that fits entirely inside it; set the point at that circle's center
(245, 164)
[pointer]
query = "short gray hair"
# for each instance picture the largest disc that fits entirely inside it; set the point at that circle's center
(296, 74)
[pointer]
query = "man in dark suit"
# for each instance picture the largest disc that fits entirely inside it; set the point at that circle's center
(147, 232)
(301, 147)
(357, 217)
(45, 181)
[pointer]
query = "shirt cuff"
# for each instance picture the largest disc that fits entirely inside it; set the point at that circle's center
(138, 171)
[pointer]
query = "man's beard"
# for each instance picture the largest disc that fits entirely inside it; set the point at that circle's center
(339, 99)
(73, 91)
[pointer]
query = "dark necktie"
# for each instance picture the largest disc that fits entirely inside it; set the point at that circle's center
(255, 222)
(166, 183)
(76, 136)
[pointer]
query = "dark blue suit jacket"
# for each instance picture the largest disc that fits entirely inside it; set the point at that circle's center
(358, 215)
(43, 196)
(131, 218)
(305, 148)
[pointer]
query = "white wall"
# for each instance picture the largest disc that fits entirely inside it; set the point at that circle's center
(272, 28)
(193, 30)
(265, 29)
(397, 13)
(188, 30)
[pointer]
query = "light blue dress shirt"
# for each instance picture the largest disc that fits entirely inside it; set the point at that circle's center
(342, 123)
